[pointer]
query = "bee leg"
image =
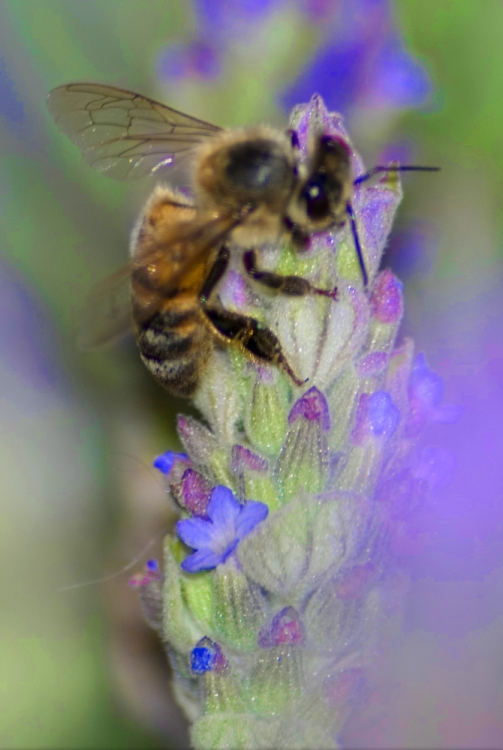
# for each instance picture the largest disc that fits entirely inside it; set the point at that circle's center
(294, 286)
(252, 337)
(217, 270)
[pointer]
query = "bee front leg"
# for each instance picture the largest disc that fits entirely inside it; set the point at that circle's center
(294, 286)
(253, 338)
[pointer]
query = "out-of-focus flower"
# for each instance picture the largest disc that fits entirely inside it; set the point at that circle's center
(363, 62)
(234, 17)
(426, 392)
(218, 535)
(198, 59)
(219, 25)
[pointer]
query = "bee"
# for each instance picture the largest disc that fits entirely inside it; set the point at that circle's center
(249, 187)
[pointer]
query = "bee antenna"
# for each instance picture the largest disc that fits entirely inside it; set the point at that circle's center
(352, 219)
(395, 168)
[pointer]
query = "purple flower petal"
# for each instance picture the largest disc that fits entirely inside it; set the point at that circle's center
(223, 507)
(204, 559)
(195, 532)
(252, 513)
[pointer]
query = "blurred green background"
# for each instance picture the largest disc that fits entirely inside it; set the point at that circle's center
(79, 431)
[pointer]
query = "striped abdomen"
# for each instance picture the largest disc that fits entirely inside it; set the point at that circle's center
(175, 344)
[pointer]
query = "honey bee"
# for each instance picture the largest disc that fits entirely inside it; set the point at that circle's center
(249, 186)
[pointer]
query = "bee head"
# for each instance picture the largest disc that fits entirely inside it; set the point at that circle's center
(322, 196)
(249, 168)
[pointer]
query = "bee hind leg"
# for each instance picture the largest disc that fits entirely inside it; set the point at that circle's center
(293, 286)
(253, 338)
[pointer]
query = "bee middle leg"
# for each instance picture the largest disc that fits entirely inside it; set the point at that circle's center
(252, 337)
(294, 286)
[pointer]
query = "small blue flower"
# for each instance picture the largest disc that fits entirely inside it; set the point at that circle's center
(216, 537)
(165, 462)
(201, 660)
(207, 656)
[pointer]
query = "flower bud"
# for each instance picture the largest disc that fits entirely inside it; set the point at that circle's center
(303, 462)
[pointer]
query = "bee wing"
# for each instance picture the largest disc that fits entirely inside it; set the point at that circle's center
(106, 315)
(165, 268)
(122, 134)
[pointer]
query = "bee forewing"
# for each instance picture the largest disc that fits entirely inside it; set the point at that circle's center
(122, 134)
(106, 315)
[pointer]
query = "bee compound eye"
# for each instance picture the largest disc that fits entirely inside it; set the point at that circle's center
(316, 199)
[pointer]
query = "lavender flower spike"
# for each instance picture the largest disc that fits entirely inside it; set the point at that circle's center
(295, 501)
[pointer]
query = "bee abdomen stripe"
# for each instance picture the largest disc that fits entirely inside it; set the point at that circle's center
(171, 318)
(164, 345)
(179, 376)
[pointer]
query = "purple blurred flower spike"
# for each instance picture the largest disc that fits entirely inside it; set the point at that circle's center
(362, 64)
(320, 11)
(399, 79)
(216, 537)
